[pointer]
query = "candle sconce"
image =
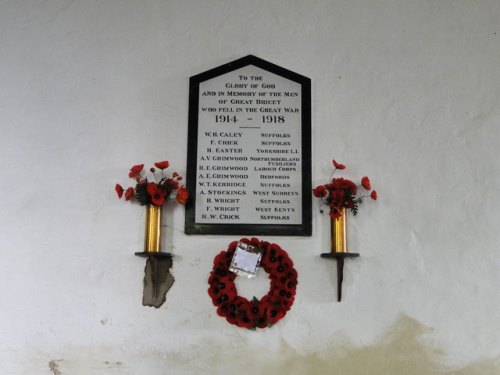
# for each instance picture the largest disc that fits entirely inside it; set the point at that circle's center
(153, 193)
(157, 277)
(339, 248)
(338, 195)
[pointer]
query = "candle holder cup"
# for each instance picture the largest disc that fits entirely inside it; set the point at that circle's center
(152, 247)
(339, 248)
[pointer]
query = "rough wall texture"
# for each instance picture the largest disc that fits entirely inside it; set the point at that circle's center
(406, 92)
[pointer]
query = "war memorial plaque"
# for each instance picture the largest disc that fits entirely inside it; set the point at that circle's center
(249, 151)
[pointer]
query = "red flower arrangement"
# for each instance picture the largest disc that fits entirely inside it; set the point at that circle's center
(343, 193)
(157, 192)
(255, 313)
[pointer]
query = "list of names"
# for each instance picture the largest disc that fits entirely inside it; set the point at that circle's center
(249, 168)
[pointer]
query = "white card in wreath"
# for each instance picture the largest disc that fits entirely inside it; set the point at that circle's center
(246, 260)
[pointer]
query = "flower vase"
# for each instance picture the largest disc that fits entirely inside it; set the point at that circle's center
(339, 233)
(152, 236)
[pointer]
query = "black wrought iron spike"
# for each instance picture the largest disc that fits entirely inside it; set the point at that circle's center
(339, 257)
(340, 277)
(154, 276)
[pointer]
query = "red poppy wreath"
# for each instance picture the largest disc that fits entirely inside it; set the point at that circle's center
(255, 313)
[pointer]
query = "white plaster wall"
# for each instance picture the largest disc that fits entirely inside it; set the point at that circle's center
(406, 92)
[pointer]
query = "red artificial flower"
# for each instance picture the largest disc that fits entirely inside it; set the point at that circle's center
(342, 184)
(273, 258)
(243, 305)
(222, 292)
(222, 260)
(218, 258)
(253, 314)
(287, 303)
(162, 164)
(291, 285)
(182, 195)
(320, 191)
(223, 310)
(282, 303)
(274, 313)
(129, 193)
(172, 184)
(256, 310)
(226, 295)
(266, 304)
(222, 271)
(218, 276)
(335, 213)
(232, 247)
(157, 195)
(262, 322)
(289, 288)
(255, 241)
(373, 195)
(231, 318)
(265, 264)
(246, 240)
(213, 278)
(338, 165)
(264, 245)
(231, 310)
(365, 181)
(338, 198)
(243, 321)
(280, 270)
(213, 295)
(286, 281)
(119, 190)
(136, 170)
(292, 275)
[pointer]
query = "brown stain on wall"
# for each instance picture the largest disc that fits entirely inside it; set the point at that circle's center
(404, 349)
(54, 366)
(401, 350)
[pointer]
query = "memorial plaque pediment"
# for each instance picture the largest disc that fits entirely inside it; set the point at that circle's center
(249, 150)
